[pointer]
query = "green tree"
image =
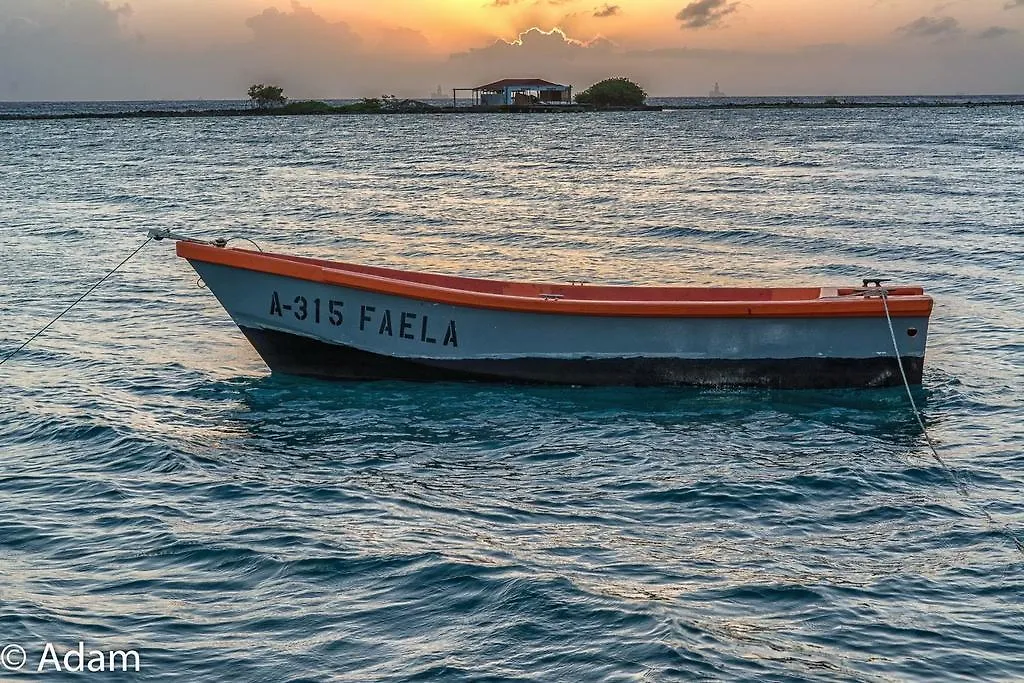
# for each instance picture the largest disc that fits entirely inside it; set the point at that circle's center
(613, 92)
(265, 96)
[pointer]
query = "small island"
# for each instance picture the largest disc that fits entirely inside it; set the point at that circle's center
(614, 94)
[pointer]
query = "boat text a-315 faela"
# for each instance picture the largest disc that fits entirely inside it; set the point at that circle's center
(335, 320)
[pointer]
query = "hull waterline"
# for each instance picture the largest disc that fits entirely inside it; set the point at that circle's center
(292, 354)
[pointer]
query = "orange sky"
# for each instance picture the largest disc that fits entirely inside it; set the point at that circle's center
(352, 48)
(456, 25)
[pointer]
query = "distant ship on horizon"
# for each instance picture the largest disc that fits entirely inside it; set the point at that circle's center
(716, 92)
(439, 94)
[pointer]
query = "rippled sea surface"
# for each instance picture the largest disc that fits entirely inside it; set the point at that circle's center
(160, 491)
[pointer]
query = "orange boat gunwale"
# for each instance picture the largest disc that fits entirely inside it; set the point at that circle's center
(762, 302)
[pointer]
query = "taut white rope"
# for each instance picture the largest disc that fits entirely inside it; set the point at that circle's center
(961, 486)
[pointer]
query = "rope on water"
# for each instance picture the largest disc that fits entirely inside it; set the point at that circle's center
(77, 301)
(960, 485)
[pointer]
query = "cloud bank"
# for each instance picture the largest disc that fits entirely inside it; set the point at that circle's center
(93, 49)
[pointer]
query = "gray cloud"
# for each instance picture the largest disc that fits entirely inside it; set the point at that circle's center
(399, 40)
(607, 11)
(997, 32)
(300, 28)
(299, 50)
(931, 27)
(313, 57)
(83, 49)
(705, 13)
(76, 21)
(67, 47)
(1014, 3)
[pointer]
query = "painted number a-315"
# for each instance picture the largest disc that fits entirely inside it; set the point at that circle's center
(411, 326)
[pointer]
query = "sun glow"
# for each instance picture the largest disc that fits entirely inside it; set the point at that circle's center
(557, 32)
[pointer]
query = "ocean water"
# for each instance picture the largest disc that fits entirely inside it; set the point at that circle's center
(161, 492)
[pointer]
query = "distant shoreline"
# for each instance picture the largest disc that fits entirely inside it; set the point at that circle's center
(423, 108)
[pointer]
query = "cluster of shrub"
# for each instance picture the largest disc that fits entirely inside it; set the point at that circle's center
(271, 98)
(613, 92)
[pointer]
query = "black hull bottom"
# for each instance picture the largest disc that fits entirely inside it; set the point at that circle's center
(296, 355)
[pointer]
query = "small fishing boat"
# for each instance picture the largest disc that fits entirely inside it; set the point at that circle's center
(337, 320)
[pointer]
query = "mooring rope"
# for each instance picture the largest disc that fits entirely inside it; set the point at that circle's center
(246, 239)
(906, 383)
(960, 485)
(77, 301)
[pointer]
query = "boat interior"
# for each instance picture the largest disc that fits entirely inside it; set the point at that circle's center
(585, 292)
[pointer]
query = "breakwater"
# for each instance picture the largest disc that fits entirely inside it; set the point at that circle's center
(316, 108)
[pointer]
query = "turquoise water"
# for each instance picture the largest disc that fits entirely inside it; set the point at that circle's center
(160, 491)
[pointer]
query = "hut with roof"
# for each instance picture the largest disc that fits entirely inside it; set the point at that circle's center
(518, 92)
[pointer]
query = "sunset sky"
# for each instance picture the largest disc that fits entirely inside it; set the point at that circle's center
(185, 49)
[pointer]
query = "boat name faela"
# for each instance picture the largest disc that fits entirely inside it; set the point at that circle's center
(410, 326)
